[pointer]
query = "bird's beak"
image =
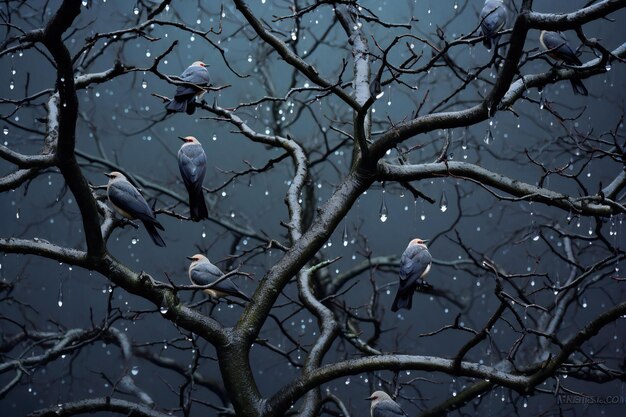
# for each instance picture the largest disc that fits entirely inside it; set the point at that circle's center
(106, 174)
(368, 399)
(425, 240)
(191, 258)
(182, 138)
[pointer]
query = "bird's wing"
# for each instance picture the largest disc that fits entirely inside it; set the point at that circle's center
(195, 75)
(561, 49)
(192, 164)
(123, 195)
(388, 409)
(492, 17)
(206, 273)
(414, 262)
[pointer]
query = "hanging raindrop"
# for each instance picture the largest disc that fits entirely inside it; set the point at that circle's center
(144, 84)
(443, 204)
(60, 297)
(163, 308)
(345, 235)
(383, 213)
(488, 137)
(136, 9)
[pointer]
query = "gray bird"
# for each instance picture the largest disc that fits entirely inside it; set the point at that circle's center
(129, 202)
(185, 97)
(560, 50)
(192, 165)
(414, 266)
(383, 406)
(203, 272)
(493, 17)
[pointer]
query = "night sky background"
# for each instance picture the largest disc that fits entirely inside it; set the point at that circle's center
(124, 121)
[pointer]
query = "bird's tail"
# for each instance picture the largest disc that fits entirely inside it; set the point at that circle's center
(191, 106)
(151, 228)
(175, 106)
(404, 299)
(240, 294)
(579, 88)
(197, 205)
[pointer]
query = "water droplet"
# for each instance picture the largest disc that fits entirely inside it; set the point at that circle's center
(348, 381)
(11, 84)
(135, 369)
(525, 403)
(383, 213)
(84, 3)
(60, 297)
(163, 309)
(584, 303)
(5, 130)
(608, 67)
(345, 235)
(136, 9)
(134, 240)
(443, 203)
(144, 84)
(488, 137)
(148, 53)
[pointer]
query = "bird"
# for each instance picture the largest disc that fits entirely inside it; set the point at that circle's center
(414, 266)
(383, 406)
(185, 97)
(192, 165)
(129, 203)
(493, 17)
(202, 272)
(559, 49)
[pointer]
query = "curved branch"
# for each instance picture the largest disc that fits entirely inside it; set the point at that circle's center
(590, 205)
(94, 405)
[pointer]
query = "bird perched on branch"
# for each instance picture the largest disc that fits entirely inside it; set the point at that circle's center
(414, 266)
(129, 203)
(383, 406)
(493, 17)
(192, 165)
(203, 272)
(559, 49)
(185, 97)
